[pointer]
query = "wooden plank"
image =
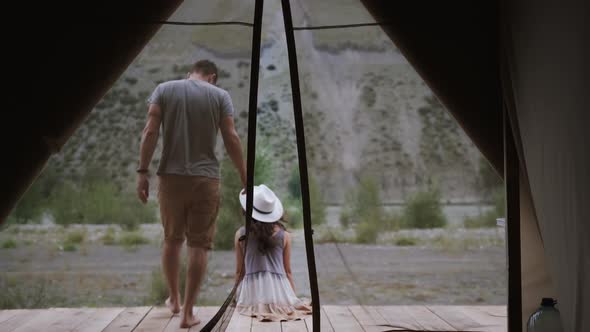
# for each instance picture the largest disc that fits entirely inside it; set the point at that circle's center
(293, 326)
(494, 310)
(155, 321)
(53, 320)
(342, 319)
(489, 323)
(334, 318)
(43, 316)
(69, 318)
(128, 319)
(205, 315)
(399, 317)
(8, 314)
(258, 326)
(239, 323)
(99, 320)
(428, 319)
(174, 323)
(22, 317)
(455, 316)
(325, 324)
(368, 317)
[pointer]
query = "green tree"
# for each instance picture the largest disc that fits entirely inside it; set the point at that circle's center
(488, 218)
(318, 207)
(364, 210)
(424, 210)
(97, 200)
(294, 184)
(316, 202)
(231, 216)
(32, 205)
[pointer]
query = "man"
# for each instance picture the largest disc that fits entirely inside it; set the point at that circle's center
(190, 113)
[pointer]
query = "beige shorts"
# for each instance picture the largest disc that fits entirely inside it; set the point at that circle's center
(188, 208)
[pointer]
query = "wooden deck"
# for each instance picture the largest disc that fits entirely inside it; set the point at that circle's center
(334, 319)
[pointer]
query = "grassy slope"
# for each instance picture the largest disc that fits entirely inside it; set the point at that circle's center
(361, 102)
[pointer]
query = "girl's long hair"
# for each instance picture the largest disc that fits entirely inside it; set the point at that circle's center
(263, 233)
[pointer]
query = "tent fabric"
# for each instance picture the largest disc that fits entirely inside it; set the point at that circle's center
(536, 280)
(546, 49)
(75, 63)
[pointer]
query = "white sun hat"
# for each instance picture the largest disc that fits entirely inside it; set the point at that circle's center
(267, 206)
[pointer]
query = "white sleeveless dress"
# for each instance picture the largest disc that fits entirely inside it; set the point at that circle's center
(265, 291)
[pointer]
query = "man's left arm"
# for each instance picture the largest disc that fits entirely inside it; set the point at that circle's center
(149, 140)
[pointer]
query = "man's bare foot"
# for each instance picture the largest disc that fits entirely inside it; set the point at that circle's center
(185, 323)
(174, 306)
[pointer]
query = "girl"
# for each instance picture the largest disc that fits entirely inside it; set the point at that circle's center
(267, 291)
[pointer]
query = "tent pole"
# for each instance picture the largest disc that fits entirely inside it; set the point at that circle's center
(511, 178)
(299, 130)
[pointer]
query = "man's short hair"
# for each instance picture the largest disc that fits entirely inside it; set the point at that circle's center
(204, 67)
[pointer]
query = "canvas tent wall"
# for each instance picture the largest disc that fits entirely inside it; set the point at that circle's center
(527, 57)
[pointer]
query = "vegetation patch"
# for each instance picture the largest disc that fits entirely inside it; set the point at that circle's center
(424, 210)
(8, 244)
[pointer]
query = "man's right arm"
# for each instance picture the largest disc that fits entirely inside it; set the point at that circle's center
(233, 146)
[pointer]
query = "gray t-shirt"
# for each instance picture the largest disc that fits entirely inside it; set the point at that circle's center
(191, 114)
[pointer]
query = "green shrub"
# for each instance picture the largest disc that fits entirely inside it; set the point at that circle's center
(75, 237)
(327, 234)
(367, 232)
(9, 244)
(108, 238)
(364, 211)
(132, 239)
(29, 294)
(96, 200)
(294, 184)
(363, 204)
(316, 201)
(368, 96)
(293, 212)
(31, 206)
(406, 241)
(158, 292)
(488, 218)
(499, 197)
(69, 247)
(424, 210)
(129, 100)
(483, 220)
(392, 221)
(346, 216)
(131, 80)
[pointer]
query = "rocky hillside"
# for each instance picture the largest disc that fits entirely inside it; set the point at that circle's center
(367, 113)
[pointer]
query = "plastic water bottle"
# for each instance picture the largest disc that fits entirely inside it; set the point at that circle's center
(546, 318)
